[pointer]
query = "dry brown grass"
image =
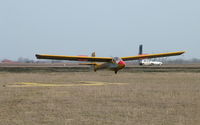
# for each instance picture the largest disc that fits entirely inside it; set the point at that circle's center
(147, 99)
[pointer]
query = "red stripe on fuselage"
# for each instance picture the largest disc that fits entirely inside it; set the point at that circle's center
(122, 63)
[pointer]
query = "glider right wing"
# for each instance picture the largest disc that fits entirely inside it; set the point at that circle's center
(75, 58)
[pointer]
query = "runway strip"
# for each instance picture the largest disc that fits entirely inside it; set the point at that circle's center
(33, 68)
(80, 83)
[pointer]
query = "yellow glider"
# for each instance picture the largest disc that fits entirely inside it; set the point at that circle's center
(106, 59)
(113, 63)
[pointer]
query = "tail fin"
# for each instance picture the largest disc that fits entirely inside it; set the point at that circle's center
(94, 64)
(93, 54)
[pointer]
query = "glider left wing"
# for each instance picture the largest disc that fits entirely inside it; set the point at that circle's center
(152, 55)
(75, 58)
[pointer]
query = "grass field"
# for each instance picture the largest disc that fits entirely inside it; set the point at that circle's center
(102, 98)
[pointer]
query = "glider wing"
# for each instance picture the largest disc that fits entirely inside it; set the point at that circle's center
(152, 55)
(75, 58)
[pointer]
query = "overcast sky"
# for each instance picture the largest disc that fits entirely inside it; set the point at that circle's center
(108, 27)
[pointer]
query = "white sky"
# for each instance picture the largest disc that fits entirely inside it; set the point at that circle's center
(109, 27)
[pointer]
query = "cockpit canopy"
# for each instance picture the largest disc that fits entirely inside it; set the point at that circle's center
(116, 59)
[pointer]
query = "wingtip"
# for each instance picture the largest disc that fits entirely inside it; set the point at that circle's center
(37, 56)
(183, 52)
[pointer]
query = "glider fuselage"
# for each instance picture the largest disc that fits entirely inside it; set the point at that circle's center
(115, 65)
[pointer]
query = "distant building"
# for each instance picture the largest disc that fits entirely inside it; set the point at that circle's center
(7, 61)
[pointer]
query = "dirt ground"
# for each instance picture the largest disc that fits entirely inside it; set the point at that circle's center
(102, 98)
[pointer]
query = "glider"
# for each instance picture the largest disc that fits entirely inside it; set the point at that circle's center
(113, 63)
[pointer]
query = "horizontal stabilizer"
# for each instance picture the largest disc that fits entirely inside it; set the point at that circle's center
(87, 63)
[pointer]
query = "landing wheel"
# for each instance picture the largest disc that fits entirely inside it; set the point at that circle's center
(115, 72)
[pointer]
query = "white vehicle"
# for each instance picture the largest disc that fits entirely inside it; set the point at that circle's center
(147, 62)
(150, 63)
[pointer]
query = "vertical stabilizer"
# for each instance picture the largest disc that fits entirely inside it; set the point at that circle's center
(93, 54)
(93, 66)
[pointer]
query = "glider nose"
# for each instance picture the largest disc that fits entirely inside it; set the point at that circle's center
(122, 63)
